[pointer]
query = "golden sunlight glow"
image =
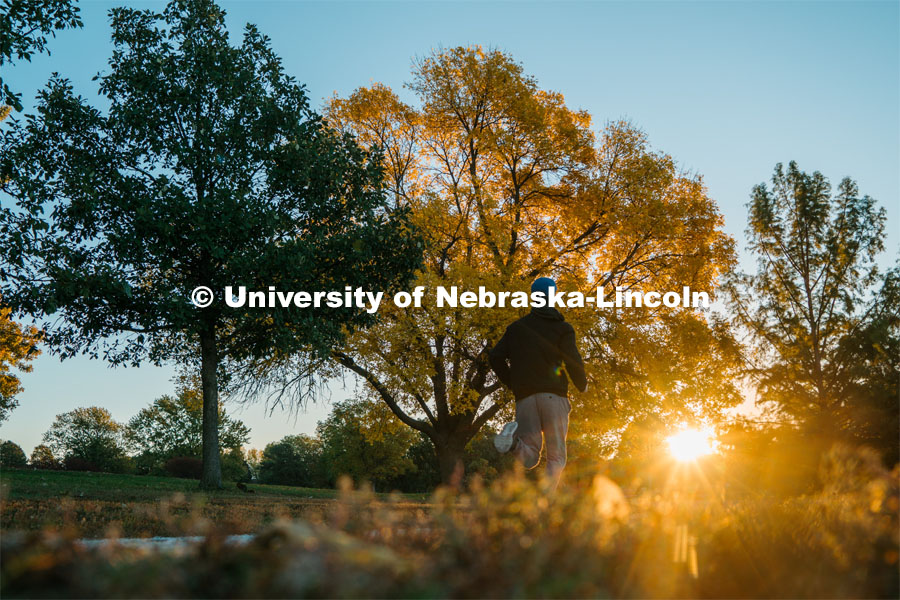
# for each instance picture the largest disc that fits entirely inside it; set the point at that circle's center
(690, 444)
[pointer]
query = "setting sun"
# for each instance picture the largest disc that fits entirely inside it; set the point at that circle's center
(691, 444)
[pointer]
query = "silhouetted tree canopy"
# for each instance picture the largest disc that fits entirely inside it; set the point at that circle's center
(824, 321)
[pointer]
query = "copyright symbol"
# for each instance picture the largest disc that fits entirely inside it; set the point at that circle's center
(202, 296)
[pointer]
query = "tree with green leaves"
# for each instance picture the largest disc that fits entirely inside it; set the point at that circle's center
(823, 321)
(207, 169)
(12, 456)
(173, 426)
(363, 440)
(24, 27)
(42, 458)
(90, 435)
(293, 460)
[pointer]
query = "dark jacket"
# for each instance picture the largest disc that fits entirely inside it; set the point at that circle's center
(530, 355)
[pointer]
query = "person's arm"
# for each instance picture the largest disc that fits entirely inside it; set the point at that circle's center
(498, 356)
(572, 359)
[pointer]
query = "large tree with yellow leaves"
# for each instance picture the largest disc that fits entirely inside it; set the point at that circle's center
(509, 183)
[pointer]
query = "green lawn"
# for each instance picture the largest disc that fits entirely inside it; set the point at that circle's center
(35, 485)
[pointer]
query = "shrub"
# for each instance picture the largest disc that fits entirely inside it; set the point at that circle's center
(186, 467)
(190, 467)
(76, 463)
(147, 463)
(12, 456)
(99, 464)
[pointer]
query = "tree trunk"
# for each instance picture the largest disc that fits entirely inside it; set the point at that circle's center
(209, 363)
(450, 454)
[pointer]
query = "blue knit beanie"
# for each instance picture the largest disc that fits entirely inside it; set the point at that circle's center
(543, 286)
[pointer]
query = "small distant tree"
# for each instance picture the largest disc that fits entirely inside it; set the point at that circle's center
(207, 169)
(11, 455)
(293, 460)
(89, 435)
(253, 458)
(18, 347)
(42, 458)
(823, 320)
(173, 426)
(24, 27)
(363, 440)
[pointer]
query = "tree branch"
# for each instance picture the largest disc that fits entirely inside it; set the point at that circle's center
(388, 398)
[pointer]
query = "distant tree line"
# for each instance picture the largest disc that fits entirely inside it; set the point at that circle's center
(165, 439)
(345, 445)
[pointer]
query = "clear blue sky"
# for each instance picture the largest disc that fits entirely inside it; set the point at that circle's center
(728, 89)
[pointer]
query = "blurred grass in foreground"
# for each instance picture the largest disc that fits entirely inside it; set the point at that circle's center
(510, 540)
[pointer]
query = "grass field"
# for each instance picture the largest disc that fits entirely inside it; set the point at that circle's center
(102, 504)
(23, 484)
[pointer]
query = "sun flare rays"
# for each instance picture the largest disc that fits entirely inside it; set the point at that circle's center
(689, 444)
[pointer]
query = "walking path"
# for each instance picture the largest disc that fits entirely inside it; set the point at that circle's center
(169, 544)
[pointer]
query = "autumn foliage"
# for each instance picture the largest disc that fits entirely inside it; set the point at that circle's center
(507, 183)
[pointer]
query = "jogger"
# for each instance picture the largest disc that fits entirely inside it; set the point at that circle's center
(529, 358)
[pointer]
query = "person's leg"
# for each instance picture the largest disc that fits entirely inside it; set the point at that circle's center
(528, 446)
(554, 414)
